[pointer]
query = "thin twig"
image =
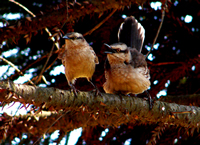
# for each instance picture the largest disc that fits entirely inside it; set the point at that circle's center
(52, 38)
(51, 63)
(43, 69)
(46, 29)
(22, 7)
(164, 63)
(67, 15)
(51, 125)
(11, 64)
(36, 61)
(101, 23)
(162, 19)
(46, 69)
(183, 112)
(49, 33)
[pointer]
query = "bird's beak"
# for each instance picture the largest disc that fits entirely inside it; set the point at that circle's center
(107, 45)
(107, 52)
(65, 37)
(111, 51)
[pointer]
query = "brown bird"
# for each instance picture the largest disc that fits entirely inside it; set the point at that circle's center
(126, 69)
(78, 58)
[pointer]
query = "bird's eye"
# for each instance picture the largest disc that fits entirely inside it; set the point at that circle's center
(118, 49)
(75, 37)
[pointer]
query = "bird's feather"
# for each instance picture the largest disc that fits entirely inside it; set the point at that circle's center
(132, 33)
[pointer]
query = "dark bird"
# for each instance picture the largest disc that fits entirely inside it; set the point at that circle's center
(126, 69)
(78, 58)
(131, 33)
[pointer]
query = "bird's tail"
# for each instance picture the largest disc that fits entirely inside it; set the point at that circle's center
(132, 33)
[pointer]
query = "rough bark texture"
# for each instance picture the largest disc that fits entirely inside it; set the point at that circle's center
(109, 110)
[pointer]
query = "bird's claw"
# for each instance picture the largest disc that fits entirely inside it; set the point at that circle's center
(97, 92)
(150, 100)
(74, 90)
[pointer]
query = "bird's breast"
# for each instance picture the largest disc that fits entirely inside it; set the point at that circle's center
(79, 64)
(126, 79)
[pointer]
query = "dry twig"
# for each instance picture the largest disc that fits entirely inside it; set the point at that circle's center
(43, 69)
(52, 125)
(11, 64)
(34, 63)
(101, 23)
(162, 19)
(46, 29)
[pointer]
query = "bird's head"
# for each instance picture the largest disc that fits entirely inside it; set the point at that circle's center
(118, 52)
(74, 38)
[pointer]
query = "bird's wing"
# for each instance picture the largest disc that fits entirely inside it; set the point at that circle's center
(138, 59)
(132, 33)
(61, 54)
(96, 60)
(107, 65)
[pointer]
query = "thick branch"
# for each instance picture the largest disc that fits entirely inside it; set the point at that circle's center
(109, 109)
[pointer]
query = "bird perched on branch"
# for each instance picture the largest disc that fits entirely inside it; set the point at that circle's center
(126, 69)
(78, 58)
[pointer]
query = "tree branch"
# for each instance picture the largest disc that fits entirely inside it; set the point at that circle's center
(46, 29)
(58, 16)
(106, 110)
(101, 23)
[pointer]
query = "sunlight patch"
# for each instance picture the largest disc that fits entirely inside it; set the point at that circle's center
(188, 19)
(74, 135)
(156, 5)
(10, 52)
(11, 16)
(162, 93)
(57, 70)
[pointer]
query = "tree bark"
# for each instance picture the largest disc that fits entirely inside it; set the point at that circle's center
(90, 110)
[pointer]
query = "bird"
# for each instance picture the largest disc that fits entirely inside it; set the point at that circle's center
(126, 69)
(132, 33)
(78, 58)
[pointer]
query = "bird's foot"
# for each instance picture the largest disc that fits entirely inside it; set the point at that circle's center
(74, 90)
(120, 95)
(150, 100)
(97, 92)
